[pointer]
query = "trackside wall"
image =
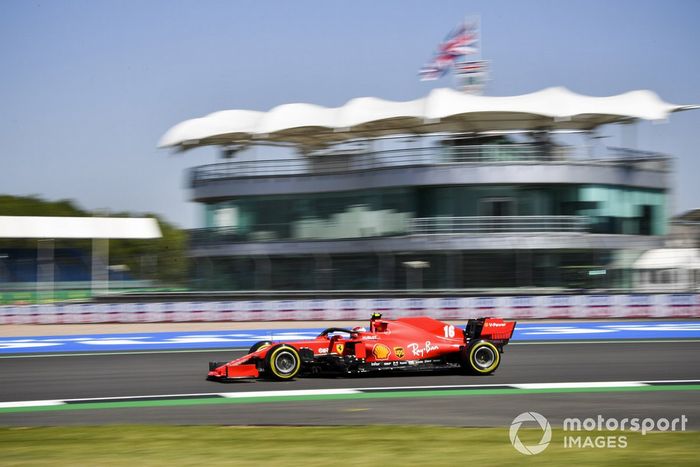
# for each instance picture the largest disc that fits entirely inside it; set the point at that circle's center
(444, 308)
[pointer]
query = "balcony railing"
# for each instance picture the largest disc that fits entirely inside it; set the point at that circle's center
(331, 162)
(478, 225)
(497, 224)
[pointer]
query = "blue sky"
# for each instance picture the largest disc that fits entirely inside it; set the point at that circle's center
(88, 87)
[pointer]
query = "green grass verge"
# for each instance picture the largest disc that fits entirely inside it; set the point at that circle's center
(362, 445)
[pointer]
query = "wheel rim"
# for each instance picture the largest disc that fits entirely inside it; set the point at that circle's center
(285, 362)
(484, 357)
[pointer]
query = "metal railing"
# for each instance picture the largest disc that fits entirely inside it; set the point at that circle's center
(497, 224)
(331, 162)
(417, 226)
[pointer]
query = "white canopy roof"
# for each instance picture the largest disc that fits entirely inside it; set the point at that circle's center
(78, 227)
(669, 258)
(443, 110)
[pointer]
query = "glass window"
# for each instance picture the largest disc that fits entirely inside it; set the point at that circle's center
(623, 210)
(611, 209)
(497, 207)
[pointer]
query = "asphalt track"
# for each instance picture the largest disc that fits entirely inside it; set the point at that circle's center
(24, 378)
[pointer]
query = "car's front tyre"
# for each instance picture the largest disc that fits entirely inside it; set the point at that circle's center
(282, 362)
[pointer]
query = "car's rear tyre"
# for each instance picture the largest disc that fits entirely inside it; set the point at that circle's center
(259, 345)
(481, 358)
(282, 362)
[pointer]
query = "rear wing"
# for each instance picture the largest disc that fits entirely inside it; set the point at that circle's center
(492, 329)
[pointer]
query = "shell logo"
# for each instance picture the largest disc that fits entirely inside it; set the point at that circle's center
(381, 351)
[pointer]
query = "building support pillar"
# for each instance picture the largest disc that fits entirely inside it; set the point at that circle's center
(323, 265)
(524, 268)
(263, 272)
(100, 266)
(45, 277)
(387, 266)
(453, 273)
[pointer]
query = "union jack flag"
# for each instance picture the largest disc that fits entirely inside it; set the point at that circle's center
(461, 41)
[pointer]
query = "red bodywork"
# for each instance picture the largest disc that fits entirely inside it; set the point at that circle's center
(387, 343)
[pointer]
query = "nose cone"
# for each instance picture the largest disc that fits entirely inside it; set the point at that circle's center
(217, 370)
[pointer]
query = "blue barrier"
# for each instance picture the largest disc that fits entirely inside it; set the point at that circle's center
(244, 338)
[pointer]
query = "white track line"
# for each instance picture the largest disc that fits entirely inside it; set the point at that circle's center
(292, 393)
(587, 385)
(10, 405)
(348, 391)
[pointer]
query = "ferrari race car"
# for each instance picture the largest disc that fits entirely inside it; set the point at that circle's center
(419, 343)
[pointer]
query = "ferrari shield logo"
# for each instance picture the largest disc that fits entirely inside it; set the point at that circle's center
(398, 351)
(339, 348)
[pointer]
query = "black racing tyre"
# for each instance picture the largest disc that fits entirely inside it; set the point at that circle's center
(259, 345)
(282, 362)
(481, 358)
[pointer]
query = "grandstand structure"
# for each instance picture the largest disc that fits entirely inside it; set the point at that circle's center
(451, 191)
(36, 274)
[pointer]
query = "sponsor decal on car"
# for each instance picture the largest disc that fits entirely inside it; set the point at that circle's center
(323, 350)
(381, 351)
(421, 350)
(339, 348)
(398, 351)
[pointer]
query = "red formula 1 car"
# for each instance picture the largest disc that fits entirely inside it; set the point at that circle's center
(420, 343)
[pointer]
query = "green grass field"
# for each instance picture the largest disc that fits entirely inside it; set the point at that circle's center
(361, 445)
